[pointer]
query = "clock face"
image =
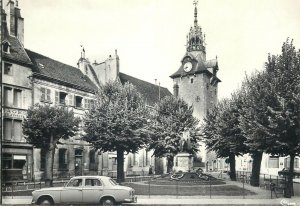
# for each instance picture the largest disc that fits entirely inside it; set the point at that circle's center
(187, 66)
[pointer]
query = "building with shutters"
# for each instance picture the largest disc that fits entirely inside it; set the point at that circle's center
(31, 78)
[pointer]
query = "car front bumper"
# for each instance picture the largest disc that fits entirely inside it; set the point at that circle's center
(132, 200)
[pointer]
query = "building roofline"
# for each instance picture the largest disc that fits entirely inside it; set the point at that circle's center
(45, 77)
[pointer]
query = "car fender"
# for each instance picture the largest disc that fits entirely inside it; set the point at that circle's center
(55, 200)
(108, 195)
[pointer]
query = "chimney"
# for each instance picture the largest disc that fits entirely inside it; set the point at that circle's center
(19, 22)
(12, 21)
(15, 23)
(4, 29)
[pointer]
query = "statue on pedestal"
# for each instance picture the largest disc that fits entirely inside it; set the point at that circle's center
(185, 141)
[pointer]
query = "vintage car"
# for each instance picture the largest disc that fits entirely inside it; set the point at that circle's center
(86, 190)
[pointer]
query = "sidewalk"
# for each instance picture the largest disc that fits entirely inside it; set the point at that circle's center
(182, 200)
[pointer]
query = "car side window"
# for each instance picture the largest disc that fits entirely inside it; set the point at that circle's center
(75, 183)
(92, 182)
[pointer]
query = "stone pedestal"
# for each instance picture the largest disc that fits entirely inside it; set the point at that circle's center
(183, 162)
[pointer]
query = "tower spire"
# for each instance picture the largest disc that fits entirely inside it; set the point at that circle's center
(195, 36)
(195, 12)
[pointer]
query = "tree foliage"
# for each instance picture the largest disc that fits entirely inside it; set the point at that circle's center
(118, 122)
(221, 131)
(45, 126)
(172, 116)
(265, 113)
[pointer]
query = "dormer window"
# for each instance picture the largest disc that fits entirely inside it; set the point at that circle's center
(6, 47)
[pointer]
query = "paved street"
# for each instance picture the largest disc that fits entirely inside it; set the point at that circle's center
(172, 200)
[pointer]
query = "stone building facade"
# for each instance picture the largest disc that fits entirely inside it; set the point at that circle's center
(31, 78)
(196, 81)
(17, 156)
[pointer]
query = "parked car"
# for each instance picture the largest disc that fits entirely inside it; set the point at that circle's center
(86, 190)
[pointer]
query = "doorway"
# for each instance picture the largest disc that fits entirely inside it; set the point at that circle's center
(78, 162)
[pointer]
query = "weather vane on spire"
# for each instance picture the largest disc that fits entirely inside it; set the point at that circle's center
(195, 12)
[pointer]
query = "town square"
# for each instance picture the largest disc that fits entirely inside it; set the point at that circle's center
(152, 102)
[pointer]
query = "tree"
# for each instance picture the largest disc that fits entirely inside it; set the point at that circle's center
(171, 118)
(221, 132)
(118, 122)
(256, 97)
(270, 119)
(44, 126)
(284, 113)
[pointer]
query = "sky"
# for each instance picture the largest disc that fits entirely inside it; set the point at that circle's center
(150, 35)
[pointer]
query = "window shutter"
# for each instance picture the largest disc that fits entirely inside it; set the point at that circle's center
(43, 94)
(86, 103)
(49, 95)
(56, 97)
(71, 100)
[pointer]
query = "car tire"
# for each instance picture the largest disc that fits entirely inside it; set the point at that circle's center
(107, 201)
(45, 201)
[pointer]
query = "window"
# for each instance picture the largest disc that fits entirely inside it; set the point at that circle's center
(78, 101)
(6, 47)
(13, 130)
(288, 160)
(114, 161)
(60, 97)
(7, 69)
(12, 97)
(7, 129)
(11, 161)
(92, 182)
(88, 103)
(17, 131)
(296, 163)
(192, 80)
(8, 100)
(273, 162)
(45, 95)
(93, 165)
(75, 183)
(62, 158)
(17, 98)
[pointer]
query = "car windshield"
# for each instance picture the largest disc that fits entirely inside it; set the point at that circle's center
(113, 182)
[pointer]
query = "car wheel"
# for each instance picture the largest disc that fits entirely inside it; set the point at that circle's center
(107, 201)
(45, 201)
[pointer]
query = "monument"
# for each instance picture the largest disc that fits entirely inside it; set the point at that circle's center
(184, 160)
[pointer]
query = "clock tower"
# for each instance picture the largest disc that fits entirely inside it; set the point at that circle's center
(196, 80)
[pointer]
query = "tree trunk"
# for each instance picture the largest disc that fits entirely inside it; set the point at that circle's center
(232, 173)
(290, 187)
(170, 160)
(120, 166)
(49, 163)
(257, 156)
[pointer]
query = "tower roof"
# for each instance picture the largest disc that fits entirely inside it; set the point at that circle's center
(195, 37)
(200, 65)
